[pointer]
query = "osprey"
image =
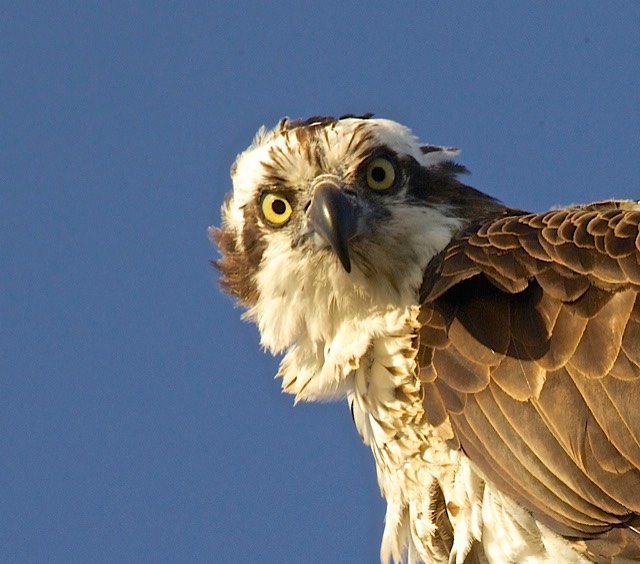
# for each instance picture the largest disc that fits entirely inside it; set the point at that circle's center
(490, 357)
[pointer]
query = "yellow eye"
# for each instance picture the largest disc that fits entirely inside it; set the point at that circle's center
(275, 208)
(381, 174)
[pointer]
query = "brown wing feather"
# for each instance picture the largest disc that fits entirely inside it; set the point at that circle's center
(531, 344)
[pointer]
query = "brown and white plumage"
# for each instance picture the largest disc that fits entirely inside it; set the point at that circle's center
(490, 357)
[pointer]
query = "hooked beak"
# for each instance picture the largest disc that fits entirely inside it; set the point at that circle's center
(333, 216)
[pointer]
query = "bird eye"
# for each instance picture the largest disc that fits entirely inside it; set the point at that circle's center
(381, 174)
(275, 208)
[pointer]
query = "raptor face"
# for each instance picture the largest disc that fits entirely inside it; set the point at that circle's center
(330, 216)
(334, 190)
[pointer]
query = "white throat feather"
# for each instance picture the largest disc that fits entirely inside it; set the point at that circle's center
(325, 318)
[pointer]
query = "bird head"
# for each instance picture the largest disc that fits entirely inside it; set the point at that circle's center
(332, 220)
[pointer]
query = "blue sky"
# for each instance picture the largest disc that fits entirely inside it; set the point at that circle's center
(139, 420)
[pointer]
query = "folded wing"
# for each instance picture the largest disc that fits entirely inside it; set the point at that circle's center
(530, 345)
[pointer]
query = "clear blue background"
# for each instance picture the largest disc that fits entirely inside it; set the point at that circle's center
(139, 420)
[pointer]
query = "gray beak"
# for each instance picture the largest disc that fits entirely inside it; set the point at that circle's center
(333, 215)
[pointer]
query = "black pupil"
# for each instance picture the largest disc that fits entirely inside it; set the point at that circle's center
(278, 207)
(378, 173)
